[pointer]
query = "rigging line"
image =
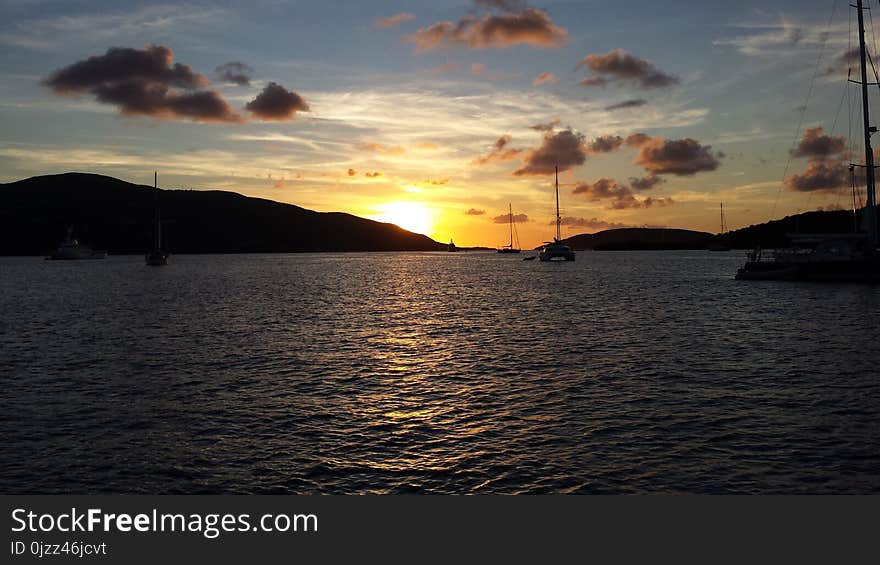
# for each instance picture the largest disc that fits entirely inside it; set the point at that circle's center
(839, 107)
(873, 38)
(844, 95)
(804, 108)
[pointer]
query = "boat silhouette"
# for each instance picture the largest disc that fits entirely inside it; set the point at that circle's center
(844, 257)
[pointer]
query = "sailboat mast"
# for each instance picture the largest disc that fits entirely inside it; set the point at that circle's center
(558, 219)
(870, 213)
(510, 222)
(158, 227)
(722, 218)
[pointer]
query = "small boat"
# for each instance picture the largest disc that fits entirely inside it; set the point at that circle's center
(530, 258)
(71, 249)
(720, 243)
(553, 250)
(832, 257)
(156, 256)
(510, 248)
(451, 247)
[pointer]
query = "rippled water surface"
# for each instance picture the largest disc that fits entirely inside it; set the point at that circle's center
(434, 373)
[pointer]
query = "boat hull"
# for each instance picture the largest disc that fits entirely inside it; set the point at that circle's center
(864, 270)
(156, 258)
(76, 254)
(556, 254)
(506, 250)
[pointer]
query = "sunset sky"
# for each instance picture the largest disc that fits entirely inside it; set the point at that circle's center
(435, 115)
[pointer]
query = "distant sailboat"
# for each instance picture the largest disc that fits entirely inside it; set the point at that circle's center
(555, 249)
(720, 243)
(157, 256)
(510, 248)
(451, 247)
(72, 249)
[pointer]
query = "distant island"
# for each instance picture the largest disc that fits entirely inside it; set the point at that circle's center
(768, 235)
(628, 239)
(116, 215)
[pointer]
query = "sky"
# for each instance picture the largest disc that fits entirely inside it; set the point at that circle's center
(438, 115)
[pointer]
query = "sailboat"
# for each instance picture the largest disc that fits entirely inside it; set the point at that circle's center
(555, 249)
(156, 256)
(719, 243)
(451, 247)
(509, 248)
(831, 257)
(72, 249)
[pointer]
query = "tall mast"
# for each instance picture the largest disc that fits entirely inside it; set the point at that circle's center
(158, 227)
(722, 218)
(558, 219)
(870, 213)
(510, 222)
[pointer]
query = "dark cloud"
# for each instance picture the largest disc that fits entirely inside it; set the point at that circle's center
(545, 78)
(276, 103)
(234, 72)
(620, 196)
(658, 201)
(564, 149)
(625, 202)
(549, 126)
(504, 218)
(681, 157)
(646, 182)
(123, 64)
(373, 174)
(816, 145)
(352, 172)
(475, 212)
(820, 176)
(144, 82)
(605, 144)
(619, 65)
(395, 20)
(500, 152)
(601, 189)
(634, 103)
(531, 26)
(637, 139)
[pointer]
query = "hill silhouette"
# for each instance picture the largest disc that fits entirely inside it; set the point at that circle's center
(773, 234)
(640, 238)
(112, 214)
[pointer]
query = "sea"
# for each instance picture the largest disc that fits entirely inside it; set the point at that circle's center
(467, 373)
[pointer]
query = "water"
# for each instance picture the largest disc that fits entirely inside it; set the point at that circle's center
(630, 372)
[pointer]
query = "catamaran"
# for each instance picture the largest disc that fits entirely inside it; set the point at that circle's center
(553, 250)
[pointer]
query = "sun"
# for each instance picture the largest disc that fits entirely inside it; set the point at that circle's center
(411, 216)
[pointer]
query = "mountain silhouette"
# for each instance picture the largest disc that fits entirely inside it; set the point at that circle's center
(639, 238)
(112, 214)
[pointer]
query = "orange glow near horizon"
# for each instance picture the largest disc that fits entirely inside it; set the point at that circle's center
(411, 216)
